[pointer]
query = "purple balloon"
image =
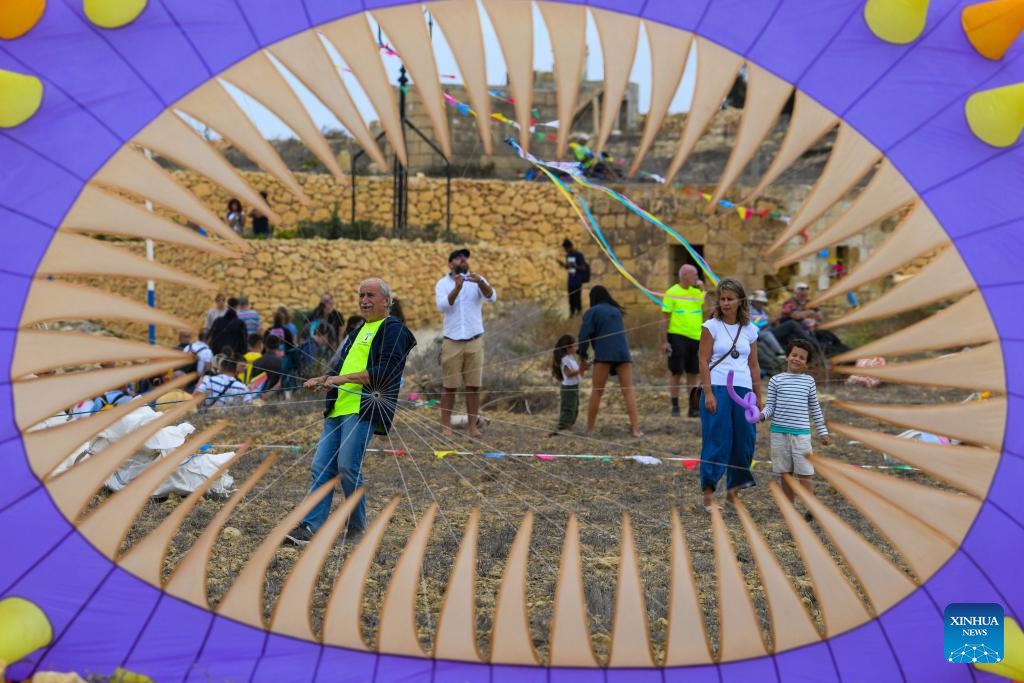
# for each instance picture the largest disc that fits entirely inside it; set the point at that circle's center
(751, 413)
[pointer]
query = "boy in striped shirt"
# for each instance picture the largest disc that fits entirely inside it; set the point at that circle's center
(792, 403)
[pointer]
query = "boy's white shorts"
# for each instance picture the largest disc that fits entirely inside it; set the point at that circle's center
(789, 454)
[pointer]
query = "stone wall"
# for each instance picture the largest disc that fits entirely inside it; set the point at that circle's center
(514, 230)
(519, 214)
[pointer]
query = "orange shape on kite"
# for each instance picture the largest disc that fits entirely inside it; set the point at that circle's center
(17, 17)
(992, 27)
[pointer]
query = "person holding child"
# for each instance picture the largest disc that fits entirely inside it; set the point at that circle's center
(566, 367)
(728, 343)
(792, 404)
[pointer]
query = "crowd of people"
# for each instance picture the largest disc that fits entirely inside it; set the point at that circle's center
(725, 343)
(722, 341)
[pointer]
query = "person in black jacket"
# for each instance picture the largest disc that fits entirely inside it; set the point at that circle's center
(578, 274)
(229, 333)
(362, 395)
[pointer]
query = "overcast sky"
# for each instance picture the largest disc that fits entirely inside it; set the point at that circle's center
(271, 127)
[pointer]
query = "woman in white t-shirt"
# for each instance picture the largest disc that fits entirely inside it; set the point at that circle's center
(728, 342)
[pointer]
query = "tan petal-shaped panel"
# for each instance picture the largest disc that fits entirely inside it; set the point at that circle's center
(740, 633)
(107, 526)
(838, 603)
(791, 625)
(513, 24)
(977, 422)
(352, 39)
(964, 323)
(131, 172)
(924, 549)
(211, 104)
(631, 642)
(98, 211)
(570, 627)
(916, 235)
(568, 25)
(188, 581)
(258, 78)
(73, 489)
(343, 617)
(882, 582)
(174, 139)
(460, 21)
(301, 583)
(950, 514)
(887, 192)
(244, 599)
(47, 448)
(71, 254)
(808, 123)
(38, 351)
(53, 300)
(397, 632)
(39, 398)
(851, 159)
(670, 48)
(510, 636)
(305, 56)
(686, 641)
(766, 95)
(979, 369)
(944, 278)
(619, 34)
(717, 68)
(407, 29)
(146, 557)
(966, 467)
(455, 637)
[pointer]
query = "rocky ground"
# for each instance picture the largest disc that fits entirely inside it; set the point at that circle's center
(598, 489)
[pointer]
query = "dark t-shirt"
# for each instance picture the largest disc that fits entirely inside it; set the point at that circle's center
(269, 363)
(578, 269)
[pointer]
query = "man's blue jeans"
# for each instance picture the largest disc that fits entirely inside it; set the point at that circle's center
(340, 451)
(727, 444)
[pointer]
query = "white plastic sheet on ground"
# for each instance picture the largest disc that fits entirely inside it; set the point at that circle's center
(193, 472)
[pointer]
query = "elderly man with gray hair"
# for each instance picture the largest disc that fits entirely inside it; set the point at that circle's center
(362, 395)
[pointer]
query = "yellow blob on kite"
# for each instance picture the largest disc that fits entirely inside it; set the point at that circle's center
(997, 116)
(20, 98)
(993, 26)
(113, 13)
(1012, 666)
(896, 21)
(24, 629)
(17, 17)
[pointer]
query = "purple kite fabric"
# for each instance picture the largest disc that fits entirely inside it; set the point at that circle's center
(103, 87)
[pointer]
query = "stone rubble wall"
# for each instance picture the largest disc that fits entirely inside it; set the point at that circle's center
(514, 230)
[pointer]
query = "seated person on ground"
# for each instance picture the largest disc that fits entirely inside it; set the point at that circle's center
(223, 389)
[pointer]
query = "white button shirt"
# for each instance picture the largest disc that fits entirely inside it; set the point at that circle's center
(463, 319)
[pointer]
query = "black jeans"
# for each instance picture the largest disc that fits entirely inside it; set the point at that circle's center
(575, 300)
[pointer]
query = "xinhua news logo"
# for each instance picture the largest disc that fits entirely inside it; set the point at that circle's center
(973, 633)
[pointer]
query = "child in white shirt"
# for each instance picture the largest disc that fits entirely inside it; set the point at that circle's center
(566, 368)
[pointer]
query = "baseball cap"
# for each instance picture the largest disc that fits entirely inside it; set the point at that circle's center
(458, 252)
(759, 295)
(802, 285)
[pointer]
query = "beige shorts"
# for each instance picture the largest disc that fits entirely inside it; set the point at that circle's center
(462, 363)
(789, 454)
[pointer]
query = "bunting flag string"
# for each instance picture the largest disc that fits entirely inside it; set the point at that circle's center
(744, 212)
